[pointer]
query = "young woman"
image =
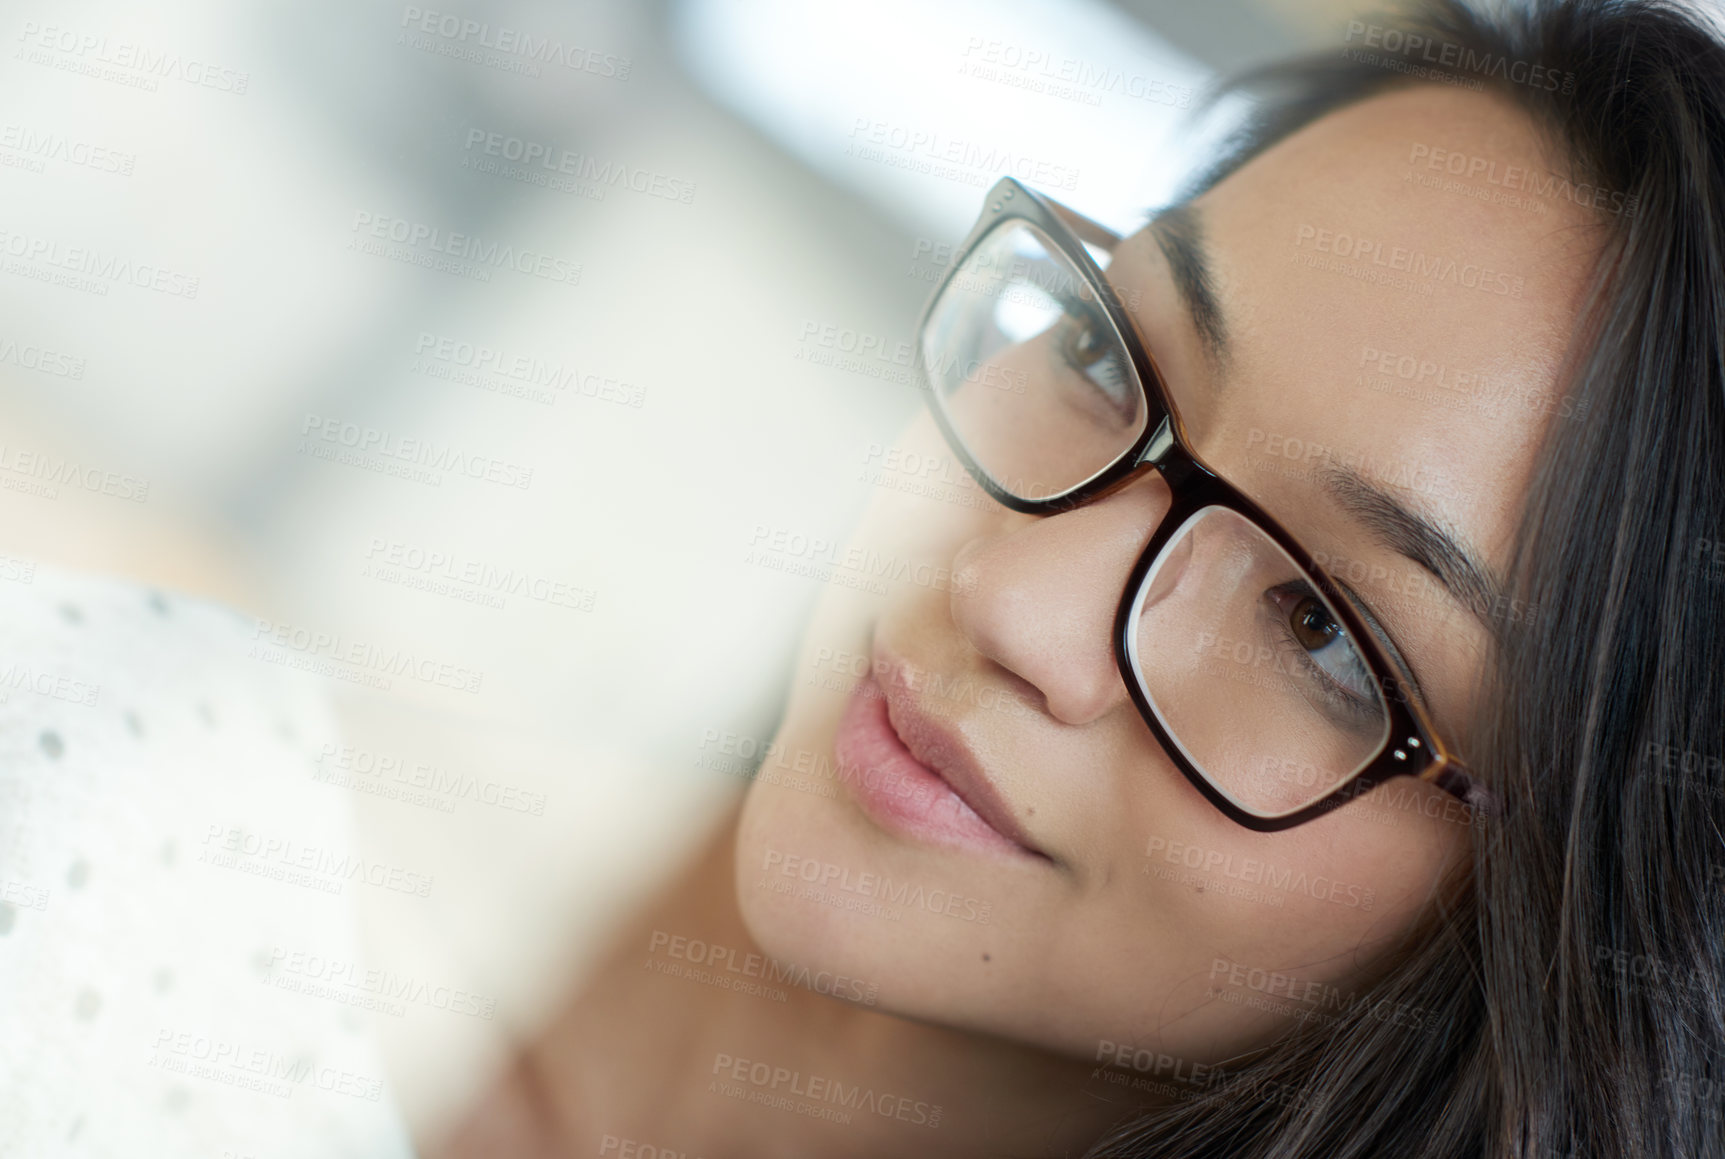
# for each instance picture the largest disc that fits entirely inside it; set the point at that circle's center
(1297, 730)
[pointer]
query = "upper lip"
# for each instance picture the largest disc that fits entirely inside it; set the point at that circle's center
(945, 752)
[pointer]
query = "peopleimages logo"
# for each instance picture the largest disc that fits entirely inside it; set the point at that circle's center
(1068, 78)
(388, 557)
(249, 1067)
(349, 658)
(1520, 178)
(452, 252)
(930, 151)
(42, 145)
(334, 433)
(42, 360)
(814, 1095)
(138, 65)
(22, 893)
(1156, 1063)
(1308, 999)
(88, 269)
(551, 160)
(1297, 458)
(875, 887)
(1419, 267)
(527, 46)
(362, 765)
(1453, 55)
(818, 557)
(1252, 872)
(234, 846)
(43, 469)
(713, 962)
(342, 975)
(16, 677)
(528, 370)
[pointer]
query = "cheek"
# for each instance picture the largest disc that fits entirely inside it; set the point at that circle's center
(1208, 940)
(921, 502)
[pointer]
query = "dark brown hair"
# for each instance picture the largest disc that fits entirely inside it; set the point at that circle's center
(1574, 983)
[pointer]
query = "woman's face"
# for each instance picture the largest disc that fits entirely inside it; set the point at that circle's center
(963, 808)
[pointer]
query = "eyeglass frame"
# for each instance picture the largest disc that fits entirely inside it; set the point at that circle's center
(1412, 746)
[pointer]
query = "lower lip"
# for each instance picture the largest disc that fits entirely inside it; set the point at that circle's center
(900, 793)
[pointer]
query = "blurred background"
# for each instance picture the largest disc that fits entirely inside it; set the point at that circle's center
(499, 336)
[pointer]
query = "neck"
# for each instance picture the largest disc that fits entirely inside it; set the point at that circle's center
(685, 1040)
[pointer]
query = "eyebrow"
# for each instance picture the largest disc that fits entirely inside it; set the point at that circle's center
(1179, 231)
(1440, 552)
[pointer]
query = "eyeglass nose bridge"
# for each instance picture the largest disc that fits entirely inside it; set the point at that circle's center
(1162, 452)
(1170, 456)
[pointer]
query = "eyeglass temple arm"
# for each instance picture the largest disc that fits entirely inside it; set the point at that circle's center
(1453, 778)
(1084, 229)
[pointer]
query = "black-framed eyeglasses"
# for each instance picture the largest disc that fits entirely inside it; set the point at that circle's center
(1254, 669)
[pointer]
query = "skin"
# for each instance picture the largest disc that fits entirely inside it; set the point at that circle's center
(1109, 938)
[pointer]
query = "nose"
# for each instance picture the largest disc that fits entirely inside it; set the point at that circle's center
(1037, 595)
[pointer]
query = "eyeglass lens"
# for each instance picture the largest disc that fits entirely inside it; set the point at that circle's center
(1018, 345)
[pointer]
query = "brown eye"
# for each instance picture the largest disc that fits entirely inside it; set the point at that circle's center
(1321, 645)
(1311, 624)
(1081, 341)
(1086, 345)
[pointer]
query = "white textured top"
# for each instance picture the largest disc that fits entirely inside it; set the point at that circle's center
(164, 854)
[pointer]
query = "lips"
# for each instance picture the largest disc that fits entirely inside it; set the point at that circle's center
(913, 775)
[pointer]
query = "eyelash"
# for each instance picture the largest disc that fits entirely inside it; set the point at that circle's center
(1338, 695)
(1118, 388)
(1387, 642)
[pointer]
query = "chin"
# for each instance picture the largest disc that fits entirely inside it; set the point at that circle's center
(945, 964)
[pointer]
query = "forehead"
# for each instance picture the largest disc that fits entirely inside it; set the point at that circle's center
(1384, 312)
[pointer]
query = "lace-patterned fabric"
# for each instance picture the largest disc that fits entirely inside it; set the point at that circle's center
(164, 855)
